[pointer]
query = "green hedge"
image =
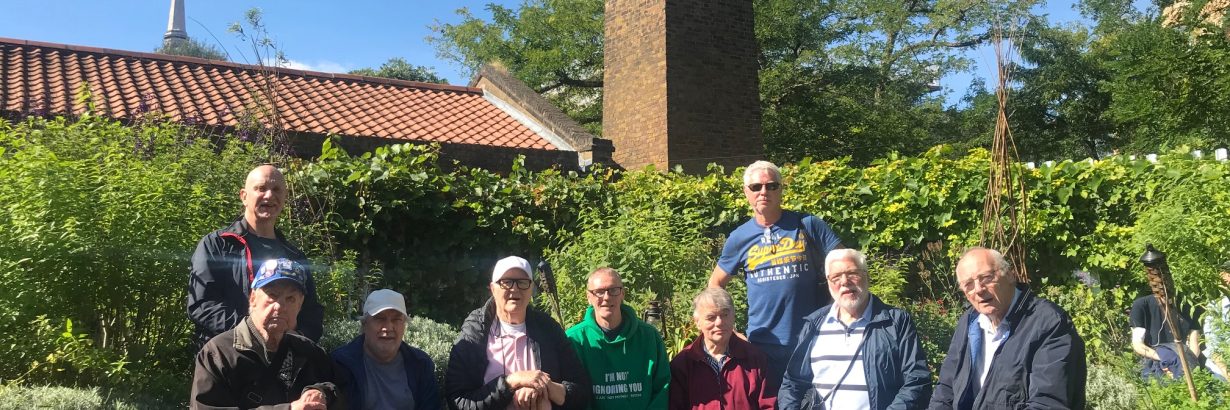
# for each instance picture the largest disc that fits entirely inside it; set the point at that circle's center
(100, 218)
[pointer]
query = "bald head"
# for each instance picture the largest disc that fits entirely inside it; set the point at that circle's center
(263, 196)
(263, 173)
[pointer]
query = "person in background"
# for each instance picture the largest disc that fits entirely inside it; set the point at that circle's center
(1153, 342)
(1216, 321)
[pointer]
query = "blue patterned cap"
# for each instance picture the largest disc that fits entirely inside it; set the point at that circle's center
(278, 269)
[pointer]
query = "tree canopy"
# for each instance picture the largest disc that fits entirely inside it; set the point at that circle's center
(859, 78)
(397, 68)
(191, 47)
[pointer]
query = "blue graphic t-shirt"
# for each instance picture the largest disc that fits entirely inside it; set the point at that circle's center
(783, 283)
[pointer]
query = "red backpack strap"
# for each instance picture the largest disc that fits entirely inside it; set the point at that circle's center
(247, 253)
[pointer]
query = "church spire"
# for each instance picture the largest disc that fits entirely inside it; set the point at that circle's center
(175, 24)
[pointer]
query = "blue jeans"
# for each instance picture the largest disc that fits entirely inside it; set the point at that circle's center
(776, 358)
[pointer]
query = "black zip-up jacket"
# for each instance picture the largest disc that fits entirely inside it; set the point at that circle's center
(233, 371)
(463, 380)
(1040, 366)
(218, 288)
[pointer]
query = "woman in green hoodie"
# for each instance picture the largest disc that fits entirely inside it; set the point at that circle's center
(625, 357)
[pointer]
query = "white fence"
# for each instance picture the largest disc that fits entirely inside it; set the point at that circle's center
(1219, 154)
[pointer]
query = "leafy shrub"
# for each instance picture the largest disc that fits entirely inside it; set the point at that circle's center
(660, 247)
(1100, 317)
(99, 222)
(1113, 387)
(68, 355)
(51, 397)
(435, 339)
(1173, 394)
(936, 320)
(109, 213)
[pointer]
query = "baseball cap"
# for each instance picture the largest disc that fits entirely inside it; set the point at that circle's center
(279, 269)
(382, 300)
(511, 262)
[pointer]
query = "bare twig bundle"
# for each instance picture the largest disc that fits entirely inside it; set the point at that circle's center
(1005, 205)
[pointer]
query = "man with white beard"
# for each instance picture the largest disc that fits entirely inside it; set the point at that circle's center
(857, 353)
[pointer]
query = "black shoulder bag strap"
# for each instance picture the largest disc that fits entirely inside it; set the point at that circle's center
(849, 366)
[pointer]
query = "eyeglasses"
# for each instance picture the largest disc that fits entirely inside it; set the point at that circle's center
(772, 186)
(612, 292)
(507, 284)
(852, 277)
(985, 280)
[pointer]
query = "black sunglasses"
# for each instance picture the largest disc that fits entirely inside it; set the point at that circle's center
(506, 284)
(772, 186)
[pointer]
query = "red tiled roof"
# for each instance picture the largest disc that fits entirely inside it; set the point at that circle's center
(36, 76)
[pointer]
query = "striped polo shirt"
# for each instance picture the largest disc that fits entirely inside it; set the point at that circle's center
(831, 353)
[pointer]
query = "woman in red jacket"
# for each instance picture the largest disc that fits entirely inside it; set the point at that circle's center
(718, 370)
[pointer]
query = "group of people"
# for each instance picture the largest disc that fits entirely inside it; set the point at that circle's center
(816, 337)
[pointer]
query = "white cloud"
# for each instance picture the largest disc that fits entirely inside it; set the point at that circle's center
(321, 65)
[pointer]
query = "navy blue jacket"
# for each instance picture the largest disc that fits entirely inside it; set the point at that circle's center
(221, 280)
(893, 361)
(1040, 366)
(420, 373)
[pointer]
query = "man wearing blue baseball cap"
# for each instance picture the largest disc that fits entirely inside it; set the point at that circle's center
(261, 362)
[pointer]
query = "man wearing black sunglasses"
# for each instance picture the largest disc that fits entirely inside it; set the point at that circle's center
(781, 254)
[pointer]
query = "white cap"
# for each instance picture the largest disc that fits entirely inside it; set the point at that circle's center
(509, 263)
(382, 300)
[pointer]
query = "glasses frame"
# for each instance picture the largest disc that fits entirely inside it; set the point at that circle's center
(852, 276)
(509, 284)
(613, 291)
(985, 279)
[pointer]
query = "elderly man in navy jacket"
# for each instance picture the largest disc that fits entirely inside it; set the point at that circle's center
(1011, 349)
(380, 371)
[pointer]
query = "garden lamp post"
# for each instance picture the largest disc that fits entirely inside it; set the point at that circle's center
(547, 283)
(1160, 281)
(653, 315)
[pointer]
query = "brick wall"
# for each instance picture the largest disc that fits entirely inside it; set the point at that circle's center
(634, 82)
(681, 83)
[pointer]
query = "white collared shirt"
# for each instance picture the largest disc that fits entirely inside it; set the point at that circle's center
(991, 339)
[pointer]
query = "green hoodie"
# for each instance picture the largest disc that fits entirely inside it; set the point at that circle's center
(629, 372)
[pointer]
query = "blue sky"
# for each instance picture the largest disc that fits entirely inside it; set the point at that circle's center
(333, 36)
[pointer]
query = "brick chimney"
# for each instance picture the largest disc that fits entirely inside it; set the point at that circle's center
(680, 83)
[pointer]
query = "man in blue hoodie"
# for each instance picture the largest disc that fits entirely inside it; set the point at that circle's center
(380, 370)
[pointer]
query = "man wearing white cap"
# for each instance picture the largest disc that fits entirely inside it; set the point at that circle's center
(512, 357)
(380, 370)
